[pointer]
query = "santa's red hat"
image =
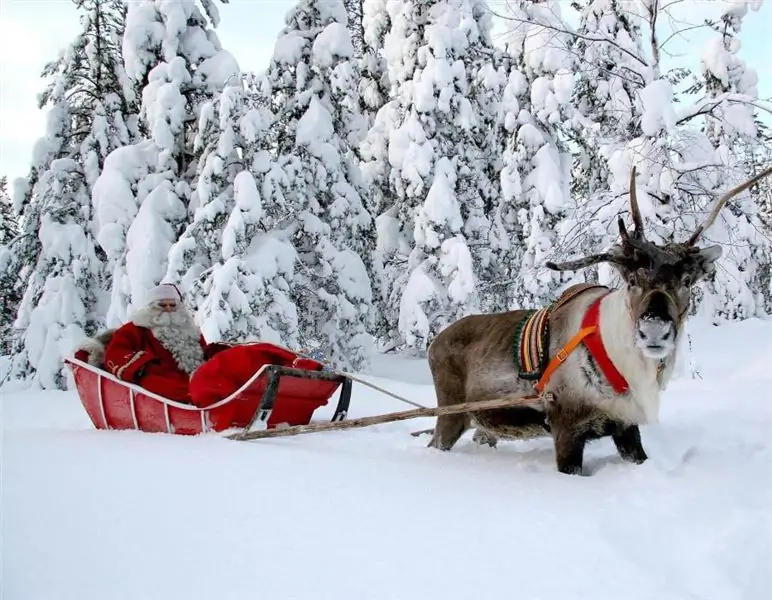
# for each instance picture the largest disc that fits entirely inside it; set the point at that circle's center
(164, 291)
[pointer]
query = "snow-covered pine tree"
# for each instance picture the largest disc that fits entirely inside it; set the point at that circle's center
(249, 292)
(143, 198)
(313, 189)
(218, 146)
(758, 156)
(374, 79)
(9, 225)
(611, 70)
(424, 155)
(91, 113)
(235, 274)
(491, 256)
(680, 169)
(354, 10)
(374, 92)
(534, 177)
(9, 281)
(730, 90)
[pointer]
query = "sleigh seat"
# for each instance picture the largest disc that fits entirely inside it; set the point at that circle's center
(284, 389)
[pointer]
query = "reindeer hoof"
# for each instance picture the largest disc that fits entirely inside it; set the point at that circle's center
(437, 444)
(638, 457)
(571, 470)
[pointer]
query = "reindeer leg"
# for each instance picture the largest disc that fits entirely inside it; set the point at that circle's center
(628, 443)
(569, 449)
(449, 430)
(570, 428)
(449, 386)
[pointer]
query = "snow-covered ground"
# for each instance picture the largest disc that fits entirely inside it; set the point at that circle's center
(372, 514)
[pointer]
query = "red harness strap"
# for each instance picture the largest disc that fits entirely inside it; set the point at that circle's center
(589, 333)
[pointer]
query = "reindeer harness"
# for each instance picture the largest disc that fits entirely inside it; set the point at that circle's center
(533, 336)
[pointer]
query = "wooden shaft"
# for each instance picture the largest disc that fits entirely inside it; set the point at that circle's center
(506, 402)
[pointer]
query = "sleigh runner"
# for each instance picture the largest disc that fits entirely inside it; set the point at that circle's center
(285, 390)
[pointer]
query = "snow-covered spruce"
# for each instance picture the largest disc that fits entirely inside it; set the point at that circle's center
(611, 68)
(374, 86)
(423, 155)
(313, 191)
(10, 292)
(218, 145)
(248, 292)
(172, 49)
(730, 86)
(536, 204)
(628, 112)
(91, 112)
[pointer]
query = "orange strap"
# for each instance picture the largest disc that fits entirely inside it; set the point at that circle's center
(562, 355)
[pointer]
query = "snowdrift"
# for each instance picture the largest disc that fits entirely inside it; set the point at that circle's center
(373, 514)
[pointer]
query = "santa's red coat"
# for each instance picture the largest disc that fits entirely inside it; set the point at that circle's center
(134, 354)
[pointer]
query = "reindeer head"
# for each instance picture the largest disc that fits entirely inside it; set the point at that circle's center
(659, 278)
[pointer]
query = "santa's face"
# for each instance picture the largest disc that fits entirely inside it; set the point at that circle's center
(167, 306)
(169, 313)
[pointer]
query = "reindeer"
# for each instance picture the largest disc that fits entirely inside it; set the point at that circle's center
(612, 350)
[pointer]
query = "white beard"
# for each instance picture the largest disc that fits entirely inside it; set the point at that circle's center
(176, 332)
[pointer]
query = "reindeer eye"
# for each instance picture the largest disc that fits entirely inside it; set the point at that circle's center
(687, 279)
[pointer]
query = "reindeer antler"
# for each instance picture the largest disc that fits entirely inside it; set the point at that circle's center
(629, 243)
(634, 210)
(581, 263)
(722, 201)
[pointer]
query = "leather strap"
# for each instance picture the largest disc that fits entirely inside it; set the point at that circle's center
(595, 345)
(589, 333)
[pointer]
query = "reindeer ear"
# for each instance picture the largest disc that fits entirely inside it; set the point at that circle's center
(711, 254)
(706, 261)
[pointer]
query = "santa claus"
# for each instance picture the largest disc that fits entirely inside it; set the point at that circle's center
(161, 347)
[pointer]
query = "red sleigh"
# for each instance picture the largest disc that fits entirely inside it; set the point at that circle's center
(277, 393)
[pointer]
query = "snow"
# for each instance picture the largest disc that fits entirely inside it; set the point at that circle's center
(658, 110)
(113, 199)
(315, 127)
(164, 102)
(332, 44)
(150, 237)
(372, 513)
(289, 48)
(218, 70)
(249, 211)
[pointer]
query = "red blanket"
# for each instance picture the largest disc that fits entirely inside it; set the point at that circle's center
(229, 369)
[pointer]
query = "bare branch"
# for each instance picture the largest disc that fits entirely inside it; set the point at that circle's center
(571, 33)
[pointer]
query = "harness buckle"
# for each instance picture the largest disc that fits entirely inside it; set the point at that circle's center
(562, 355)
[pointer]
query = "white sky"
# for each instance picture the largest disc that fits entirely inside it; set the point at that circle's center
(33, 31)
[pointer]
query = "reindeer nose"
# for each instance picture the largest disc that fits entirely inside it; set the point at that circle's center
(655, 329)
(655, 336)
